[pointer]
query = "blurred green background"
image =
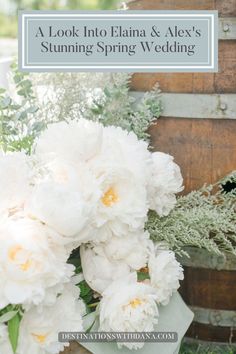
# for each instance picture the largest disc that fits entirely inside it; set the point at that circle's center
(9, 9)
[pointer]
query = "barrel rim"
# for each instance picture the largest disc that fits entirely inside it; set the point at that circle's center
(202, 258)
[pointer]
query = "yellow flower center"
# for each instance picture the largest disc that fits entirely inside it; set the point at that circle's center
(12, 253)
(135, 303)
(110, 197)
(40, 338)
(25, 266)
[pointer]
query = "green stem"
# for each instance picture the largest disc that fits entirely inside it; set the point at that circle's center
(94, 304)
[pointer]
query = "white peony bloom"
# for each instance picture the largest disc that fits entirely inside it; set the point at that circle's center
(5, 346)
(118, 162)
(65, 200)
(121, 168)
(128, 306)
(14, 181)
(131, 249)
(74, 141)
(31, 264)
(122, 207)
(165, 273)
(40, 326)
(165, 181)
(123, 149)
(98, 270)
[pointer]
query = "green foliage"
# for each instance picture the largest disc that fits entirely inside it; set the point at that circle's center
(205, 218)
(117, 107)
(7, 316)
(105, 98)
(76, 262)
(142, 276)
(148, 109)
(6, 310)
(18, 127)
(53, 97)
(12, 315)
(13, 330)
(86, 293)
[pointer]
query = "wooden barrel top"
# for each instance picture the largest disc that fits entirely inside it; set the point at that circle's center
(201, 258)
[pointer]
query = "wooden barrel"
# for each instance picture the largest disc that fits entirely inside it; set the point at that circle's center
(198, 127)
(204, 148)
(210, 291)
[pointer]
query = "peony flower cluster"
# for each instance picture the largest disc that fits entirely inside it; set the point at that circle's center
(91, 187)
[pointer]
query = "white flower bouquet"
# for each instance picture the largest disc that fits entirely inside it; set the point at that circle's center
(73, 239)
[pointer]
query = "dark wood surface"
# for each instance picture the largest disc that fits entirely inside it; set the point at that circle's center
(211, 333)
(209, 288)
(205, 149)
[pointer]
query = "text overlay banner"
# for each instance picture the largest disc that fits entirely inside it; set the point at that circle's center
(145, 41)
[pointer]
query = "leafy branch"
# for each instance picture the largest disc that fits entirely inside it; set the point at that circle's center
(17, 124)
(205, 218)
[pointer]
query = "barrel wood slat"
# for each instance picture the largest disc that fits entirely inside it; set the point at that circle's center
(204, 148)
(223, 81)
(221, 294)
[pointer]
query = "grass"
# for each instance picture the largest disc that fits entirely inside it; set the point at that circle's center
(206, 349)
